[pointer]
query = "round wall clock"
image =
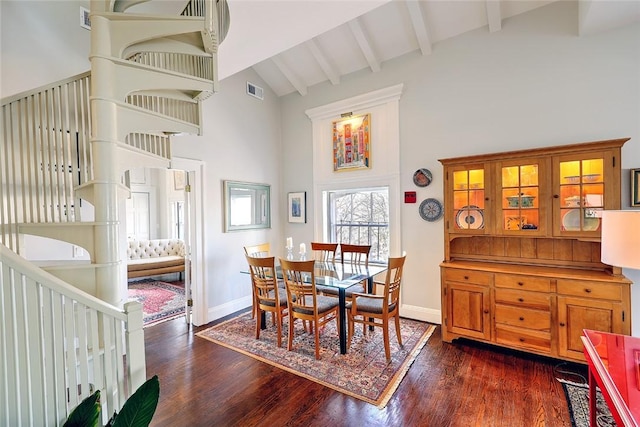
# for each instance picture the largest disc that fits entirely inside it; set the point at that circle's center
(422, 177)
(431, 210)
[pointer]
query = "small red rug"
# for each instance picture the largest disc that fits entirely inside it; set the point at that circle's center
(160, 301)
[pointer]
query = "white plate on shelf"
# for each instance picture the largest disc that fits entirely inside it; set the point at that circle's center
(571, 222)
(470, 218)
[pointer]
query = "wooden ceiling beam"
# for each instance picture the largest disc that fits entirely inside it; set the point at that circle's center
(365, 45)
(494, 15)
(323, 61)
(295, 81)
(419, 26)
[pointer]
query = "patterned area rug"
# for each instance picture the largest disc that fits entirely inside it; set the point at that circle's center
(160, 301)
(362, 373)
(578, 399)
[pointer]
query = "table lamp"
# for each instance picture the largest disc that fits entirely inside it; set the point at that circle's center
(620, 243)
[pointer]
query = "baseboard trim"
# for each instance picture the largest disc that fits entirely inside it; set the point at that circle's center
(420, 313)
(218, 312)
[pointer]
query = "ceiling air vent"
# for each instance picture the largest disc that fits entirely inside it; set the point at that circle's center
(85, 22)
(255, 91)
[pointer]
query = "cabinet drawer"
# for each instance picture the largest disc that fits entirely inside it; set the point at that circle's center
(468, 276)
(525, 339)
(523, 317)
(537, 300)
(586, 289)
(526, 283)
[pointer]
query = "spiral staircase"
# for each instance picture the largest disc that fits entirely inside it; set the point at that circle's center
(65, 150)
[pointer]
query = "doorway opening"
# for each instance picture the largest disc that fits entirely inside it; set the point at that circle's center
(164, 206)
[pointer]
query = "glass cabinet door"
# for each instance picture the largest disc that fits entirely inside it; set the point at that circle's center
(469, 200)
(581, 195)
(520, 198)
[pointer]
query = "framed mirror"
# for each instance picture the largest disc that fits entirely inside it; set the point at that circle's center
(247, 206)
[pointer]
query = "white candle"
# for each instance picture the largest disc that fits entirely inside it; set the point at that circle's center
(289, 242)
(303, 248)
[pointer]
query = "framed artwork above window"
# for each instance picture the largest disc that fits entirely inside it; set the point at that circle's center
(352, 143)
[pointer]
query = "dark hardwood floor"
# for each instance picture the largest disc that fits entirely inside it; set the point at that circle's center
(460, 384)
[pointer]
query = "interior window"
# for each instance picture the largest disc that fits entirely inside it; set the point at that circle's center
(359, 216)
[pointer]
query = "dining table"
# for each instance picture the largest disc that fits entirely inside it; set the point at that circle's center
(341, 277)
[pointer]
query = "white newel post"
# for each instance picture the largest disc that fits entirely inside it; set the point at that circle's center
(136, 363)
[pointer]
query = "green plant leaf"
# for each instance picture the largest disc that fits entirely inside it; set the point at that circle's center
(87, 413)
(138, 410)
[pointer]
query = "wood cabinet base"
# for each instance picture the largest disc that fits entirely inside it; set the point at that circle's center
(537, 309)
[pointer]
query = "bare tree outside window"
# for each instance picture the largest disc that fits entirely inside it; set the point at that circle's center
(361, 217)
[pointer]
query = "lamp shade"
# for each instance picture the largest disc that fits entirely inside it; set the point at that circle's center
(621, 238)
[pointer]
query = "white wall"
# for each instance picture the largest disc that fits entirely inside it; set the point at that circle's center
(534, 83)
(241, 142)
(41, 42)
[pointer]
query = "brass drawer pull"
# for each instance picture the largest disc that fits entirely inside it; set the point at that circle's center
(587, 290)
(466, 277)
(520, 299)
(521, 318)
(520, 283)
(521, 339)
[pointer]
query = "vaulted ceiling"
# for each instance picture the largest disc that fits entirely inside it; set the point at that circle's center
(295, 44)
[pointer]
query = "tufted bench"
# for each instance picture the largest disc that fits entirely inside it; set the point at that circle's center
(155, 257)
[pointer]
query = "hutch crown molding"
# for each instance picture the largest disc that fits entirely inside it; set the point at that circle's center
(522, 248)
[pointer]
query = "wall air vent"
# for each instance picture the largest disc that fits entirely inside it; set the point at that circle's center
(85, 22)
(255, 91)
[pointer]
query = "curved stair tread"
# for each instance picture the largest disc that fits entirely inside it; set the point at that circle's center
(136, 77)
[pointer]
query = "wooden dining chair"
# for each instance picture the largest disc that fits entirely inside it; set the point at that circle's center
(260, 250)
(355, 256)
(377, 310)
(268, 296)
(303, 301)
(325, 252)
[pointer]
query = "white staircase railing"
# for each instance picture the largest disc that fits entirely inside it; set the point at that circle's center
(45, 155)
(58, 345)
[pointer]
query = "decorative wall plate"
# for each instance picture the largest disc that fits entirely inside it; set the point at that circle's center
(431, 210)
(470, 218)
(422, 177)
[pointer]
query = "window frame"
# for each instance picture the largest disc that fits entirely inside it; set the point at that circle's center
(328, 220)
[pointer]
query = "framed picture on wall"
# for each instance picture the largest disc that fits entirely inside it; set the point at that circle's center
(179, 179)
(297, 207)
(352, 143)
(635, 187)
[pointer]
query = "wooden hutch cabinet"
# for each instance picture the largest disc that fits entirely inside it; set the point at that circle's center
(522, 248)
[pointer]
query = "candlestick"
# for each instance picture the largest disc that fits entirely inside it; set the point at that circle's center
(303, 252)
(289, 243)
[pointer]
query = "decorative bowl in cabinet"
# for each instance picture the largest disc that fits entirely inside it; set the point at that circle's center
(523, 201)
